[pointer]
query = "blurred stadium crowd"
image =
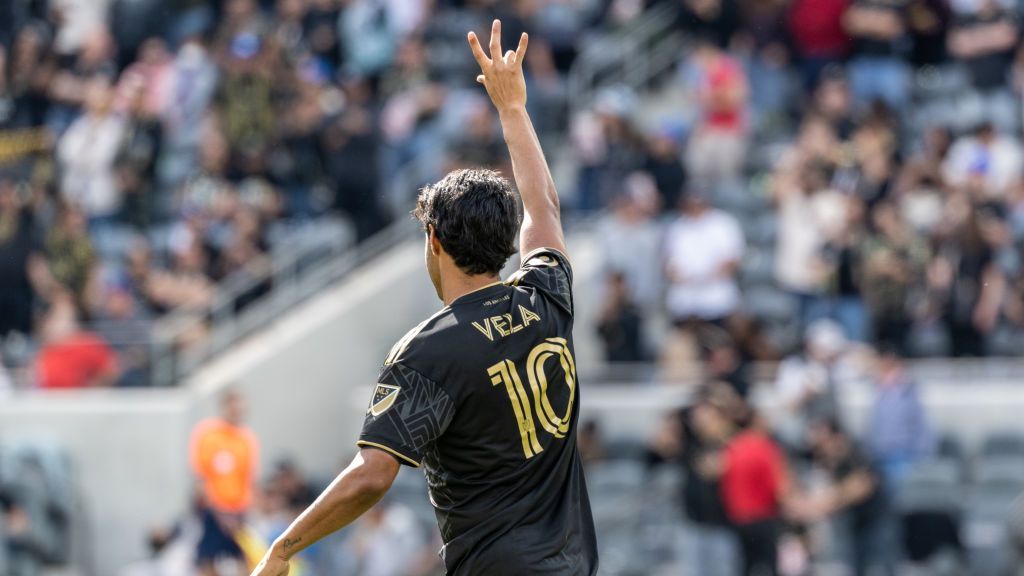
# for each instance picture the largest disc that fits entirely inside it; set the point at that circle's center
(152, 150)
(813, 180)
(859, 161)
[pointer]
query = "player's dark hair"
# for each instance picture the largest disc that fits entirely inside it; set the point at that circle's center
(475, 216)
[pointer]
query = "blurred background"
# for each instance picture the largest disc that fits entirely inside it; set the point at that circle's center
(797, 228)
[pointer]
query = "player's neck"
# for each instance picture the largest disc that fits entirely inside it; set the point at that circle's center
(457, 285)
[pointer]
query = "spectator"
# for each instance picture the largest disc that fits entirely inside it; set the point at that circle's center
(70, 255)
(717, 20)
(140, 148)
(712, 547)
(245, 94)
(289, 481)
(752, 341)
(87, 152)
(186, 284)
(225, 459)
(630, 238)
(20, 260)
(929, 27)
(921, 194)
(843, 252)
(703, 249)
(480, 143)
(70, 356)
(810, 213)
(754, 481)
(985, 162)
(352, 144)
(369, 33)
(898, 432)
(966, 282)
(834, 102)
(984, 38)
(77, 72)
(807, 384)
(193, 84)
(28, 70)
(881, 40)
(857, 496)
(894, 264)
(663, 163)
(819, 38)
(873, 172)
(718, 144)
(607, 147)
(763, 47)
(724, 361)
(387, 541)
(126, 326)
(621, 324)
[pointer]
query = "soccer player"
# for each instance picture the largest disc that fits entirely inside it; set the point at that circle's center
(483, 394)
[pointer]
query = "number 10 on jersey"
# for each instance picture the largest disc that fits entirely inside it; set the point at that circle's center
(506, 372)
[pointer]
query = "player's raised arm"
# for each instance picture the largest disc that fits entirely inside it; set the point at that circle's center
(502, 76)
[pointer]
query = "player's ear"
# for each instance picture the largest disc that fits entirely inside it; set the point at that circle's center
(435, 244)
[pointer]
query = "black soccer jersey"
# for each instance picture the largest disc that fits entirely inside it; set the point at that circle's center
(484, 396)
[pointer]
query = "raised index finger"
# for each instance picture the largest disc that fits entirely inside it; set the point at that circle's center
(496, 40)
(478, 51)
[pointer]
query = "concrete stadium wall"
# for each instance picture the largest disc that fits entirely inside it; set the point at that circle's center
(127, 453)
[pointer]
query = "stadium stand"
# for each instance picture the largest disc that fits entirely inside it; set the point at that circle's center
(180, 179)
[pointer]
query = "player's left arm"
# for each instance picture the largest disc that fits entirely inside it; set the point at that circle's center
(352, 493)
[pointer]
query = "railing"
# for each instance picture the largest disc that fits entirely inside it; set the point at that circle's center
(631, 56)
(184, 339)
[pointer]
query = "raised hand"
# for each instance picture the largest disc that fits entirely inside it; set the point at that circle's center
(501, 74)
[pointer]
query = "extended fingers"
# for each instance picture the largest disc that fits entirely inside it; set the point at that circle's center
(478, 51)
(496, 40)
(524, 41)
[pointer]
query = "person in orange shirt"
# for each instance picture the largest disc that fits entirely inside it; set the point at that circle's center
(225, 458)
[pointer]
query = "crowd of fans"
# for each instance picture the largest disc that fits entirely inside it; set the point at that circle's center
(150, 150)
(850, 159)
(855, 160)
(836, 175)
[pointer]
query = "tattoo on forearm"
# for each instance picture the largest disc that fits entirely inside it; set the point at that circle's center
(290, 543)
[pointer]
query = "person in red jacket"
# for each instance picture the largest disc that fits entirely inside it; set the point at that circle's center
(818, 36)
(72, 357)
(753, 478)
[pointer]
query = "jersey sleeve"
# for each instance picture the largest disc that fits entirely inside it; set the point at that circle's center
(407, 413)
(549, 271)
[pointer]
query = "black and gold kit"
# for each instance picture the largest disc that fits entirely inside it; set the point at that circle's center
(483, 395)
